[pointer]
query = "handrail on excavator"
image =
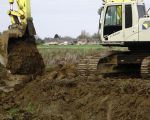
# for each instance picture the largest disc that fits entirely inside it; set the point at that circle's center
(107, 1)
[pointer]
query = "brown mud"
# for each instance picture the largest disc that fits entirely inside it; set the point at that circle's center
(60, 94)
(24, 58)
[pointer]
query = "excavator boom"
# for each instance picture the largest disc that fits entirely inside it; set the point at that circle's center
(23, 12)
(21, 18)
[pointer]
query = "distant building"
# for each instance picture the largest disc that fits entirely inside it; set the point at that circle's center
(82, 41)
(64, 43)
(58, 42)
(93, 41)
(51, 43)
(89, 41)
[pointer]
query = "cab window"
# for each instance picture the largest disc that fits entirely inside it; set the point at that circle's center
(113, 19)
(128, 16)
(141, 11)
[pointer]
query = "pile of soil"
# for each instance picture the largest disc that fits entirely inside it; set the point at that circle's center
(62, 95)
(24, 58)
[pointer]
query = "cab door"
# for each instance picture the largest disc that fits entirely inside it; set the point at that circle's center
(130, 30)
(113, 24)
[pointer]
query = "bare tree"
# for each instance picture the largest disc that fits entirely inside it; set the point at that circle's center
(84, 35)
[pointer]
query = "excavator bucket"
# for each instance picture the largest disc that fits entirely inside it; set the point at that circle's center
(20, 54)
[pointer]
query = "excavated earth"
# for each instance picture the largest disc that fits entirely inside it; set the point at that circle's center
(61, 94)
(24, 58)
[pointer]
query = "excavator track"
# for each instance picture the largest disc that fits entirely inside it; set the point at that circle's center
(89, 64)
(145, 68)
(116, 63)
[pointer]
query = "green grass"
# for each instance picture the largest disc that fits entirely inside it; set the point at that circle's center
(70, 54)
(19, 114)
(72, 46)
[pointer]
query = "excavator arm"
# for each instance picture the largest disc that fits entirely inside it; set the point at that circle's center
(23, 12)
(21, 19)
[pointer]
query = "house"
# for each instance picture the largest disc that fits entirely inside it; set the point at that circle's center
(62, 41)
(82, 41)
(93, 41)
(51, 42)
(88, 41)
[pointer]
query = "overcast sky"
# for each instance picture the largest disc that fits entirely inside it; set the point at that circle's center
(64, 17)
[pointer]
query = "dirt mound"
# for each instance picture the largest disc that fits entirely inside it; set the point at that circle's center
(52, 97)
(24, 58)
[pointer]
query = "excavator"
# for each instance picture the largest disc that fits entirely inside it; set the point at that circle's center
(125, 24)
(19, 55)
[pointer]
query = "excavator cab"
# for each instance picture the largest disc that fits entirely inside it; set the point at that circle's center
(124, 22)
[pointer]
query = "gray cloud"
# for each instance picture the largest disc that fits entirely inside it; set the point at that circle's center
(65, 17)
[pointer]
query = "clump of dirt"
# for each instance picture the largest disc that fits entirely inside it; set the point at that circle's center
(56, 97)
(61, 71)
(24, 58)
(3, 72)
(60, 94)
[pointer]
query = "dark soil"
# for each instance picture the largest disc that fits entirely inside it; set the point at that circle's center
(24, 58)
(62, 95)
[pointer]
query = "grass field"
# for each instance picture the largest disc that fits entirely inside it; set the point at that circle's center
(56, 54)
(72, 46)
